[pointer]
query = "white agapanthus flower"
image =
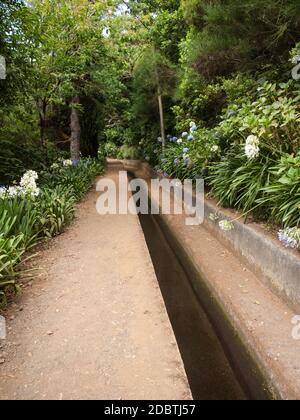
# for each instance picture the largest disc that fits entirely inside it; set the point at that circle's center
(252, 140)
(252, 147)
(67, 162)
(226, 225)
(179, 141)
(13, 191)
(27, 187)
(214, 148)
(214, 217)
(3, 192)
(28, 184)
(55, 166)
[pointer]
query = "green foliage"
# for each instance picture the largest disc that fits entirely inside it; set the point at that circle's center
(274, 117)
(26, 220)
(15, 156)
(111, 150)
(229, 36)
(55, 210)
(17, 33)
(77, 179)
(17, 227)
(282, 194)
(128, 152)
(237, 181)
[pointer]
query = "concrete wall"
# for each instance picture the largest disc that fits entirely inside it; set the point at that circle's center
(278, 267)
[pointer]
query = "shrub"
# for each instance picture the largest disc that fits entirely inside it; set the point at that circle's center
(128, 152)
(111, 150)
(237, 181)
(282, 195)
(29, 214)
(55, 210)
(79, 178)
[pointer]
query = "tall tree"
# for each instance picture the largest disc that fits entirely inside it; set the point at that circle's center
(70, 55)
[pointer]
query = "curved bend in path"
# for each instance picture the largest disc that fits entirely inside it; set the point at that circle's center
(95, 326)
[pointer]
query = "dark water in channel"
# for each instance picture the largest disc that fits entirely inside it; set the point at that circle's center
(207, 367)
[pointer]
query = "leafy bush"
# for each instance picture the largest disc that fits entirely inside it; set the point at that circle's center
(237, 181)
(111, 150)
(55, 210)
(274, 117)
(128, 152)
(27, 217)
(79, 178)
(282, 195)
(14, 157)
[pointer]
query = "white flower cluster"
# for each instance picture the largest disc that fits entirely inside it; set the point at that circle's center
(226, 225)
(55, 166)
(3, 192)
(215, 148)
(27, 187)
(28, 184)
(252, 147)
(62, 163)
(290, 237)
(67, 162)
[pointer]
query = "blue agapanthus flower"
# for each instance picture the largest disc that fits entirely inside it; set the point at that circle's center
(187, 161)
(166, 174)
(174, 139)
(76, 162)
(190, 137)
(176, 161)
(186, 150)
(231, 112)
(194, 128)
(185, 134)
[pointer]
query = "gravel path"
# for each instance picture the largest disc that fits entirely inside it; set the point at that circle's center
(93, 325)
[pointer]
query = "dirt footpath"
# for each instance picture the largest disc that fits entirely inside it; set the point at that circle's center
(93, 325)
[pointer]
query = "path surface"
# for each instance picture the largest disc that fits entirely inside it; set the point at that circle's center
(94, 324)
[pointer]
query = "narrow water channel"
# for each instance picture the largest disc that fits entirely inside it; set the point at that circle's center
(208, 370)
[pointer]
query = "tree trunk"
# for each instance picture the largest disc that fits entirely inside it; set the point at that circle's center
(43, 115)
(75, 129)
(160, 103)
(162, 119)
